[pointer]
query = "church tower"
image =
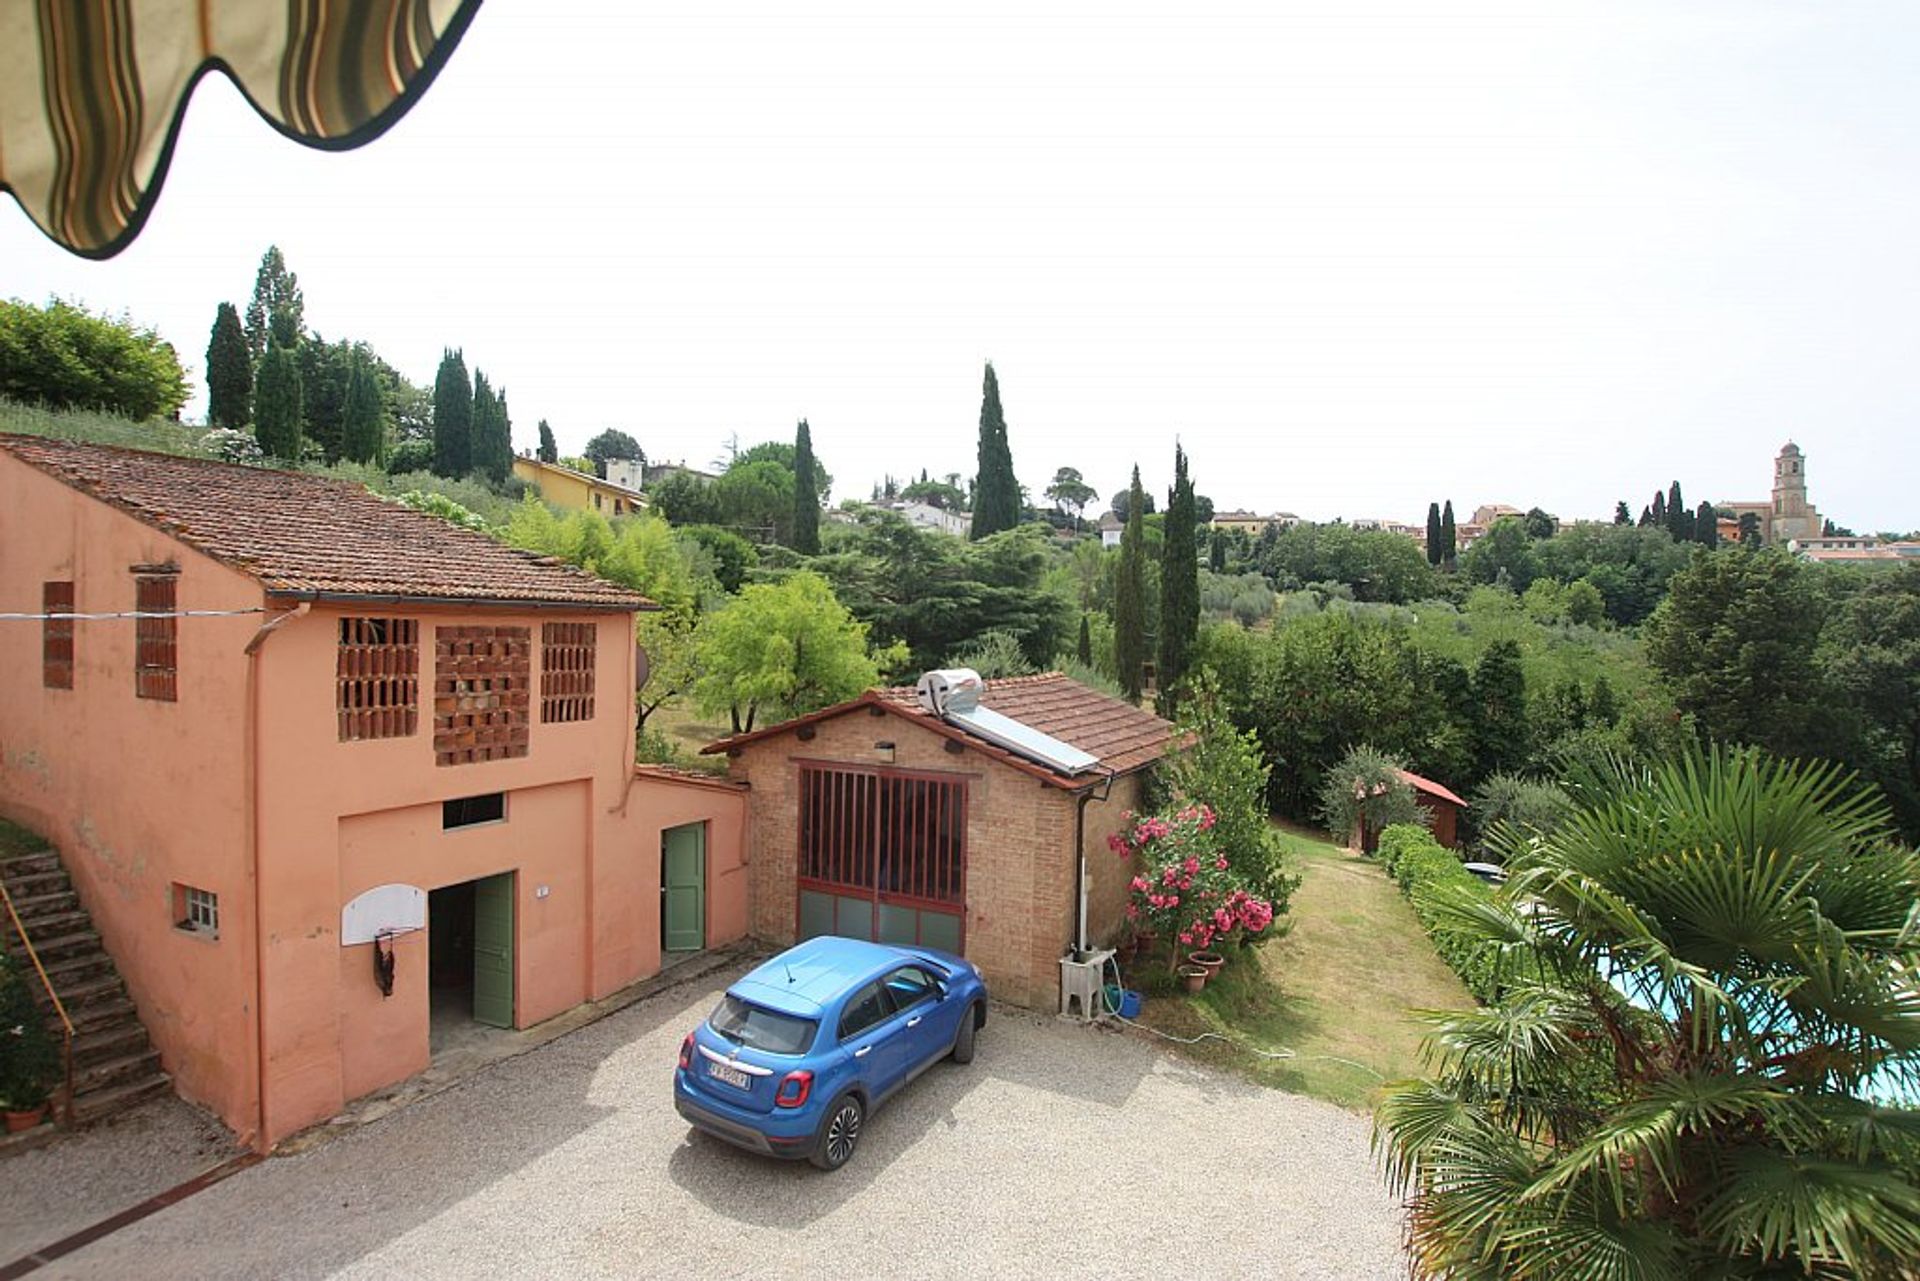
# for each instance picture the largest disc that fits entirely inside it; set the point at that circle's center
(1793, 516)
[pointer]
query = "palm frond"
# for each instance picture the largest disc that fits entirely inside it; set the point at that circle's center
(1776, 1205)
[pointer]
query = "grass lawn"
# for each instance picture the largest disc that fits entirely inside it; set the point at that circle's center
(685, 729)
(1337, 986)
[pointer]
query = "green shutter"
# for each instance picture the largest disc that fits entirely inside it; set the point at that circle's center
(683, 858)
(493, 950)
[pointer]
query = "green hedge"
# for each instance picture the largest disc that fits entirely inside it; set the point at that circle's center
(1419, 865)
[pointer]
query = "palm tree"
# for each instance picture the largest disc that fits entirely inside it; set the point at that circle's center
(1704, 1057)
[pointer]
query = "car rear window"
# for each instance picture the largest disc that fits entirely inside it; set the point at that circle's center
(759, 1028)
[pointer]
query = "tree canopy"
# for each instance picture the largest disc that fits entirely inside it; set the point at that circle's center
(780, 650)
(996, 491)
(229, 372)
(65, 357)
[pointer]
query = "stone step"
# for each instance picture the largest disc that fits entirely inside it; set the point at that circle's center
(88, 990)
(33, 861)
(68, 970)
(101, 1103)
(28, 884)
(110, 1040)
(36, 906)
(54, 923)
(108, 1073)
(98, 1015)
(51, 948)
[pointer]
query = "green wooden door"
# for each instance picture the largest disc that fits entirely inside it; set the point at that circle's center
(683, 882)
(493, 950)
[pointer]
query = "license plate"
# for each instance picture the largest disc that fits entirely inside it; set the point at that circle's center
(731, 1075)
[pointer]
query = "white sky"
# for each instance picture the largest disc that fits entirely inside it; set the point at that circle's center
(1357, 256)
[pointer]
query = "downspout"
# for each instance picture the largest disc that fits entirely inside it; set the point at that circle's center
(1080, 862)
(252, 785)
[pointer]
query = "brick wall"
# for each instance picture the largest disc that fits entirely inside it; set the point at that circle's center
(1020, 863)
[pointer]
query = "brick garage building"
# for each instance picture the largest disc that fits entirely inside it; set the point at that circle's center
(876, 818)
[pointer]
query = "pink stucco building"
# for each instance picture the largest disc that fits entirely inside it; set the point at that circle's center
(338, 714)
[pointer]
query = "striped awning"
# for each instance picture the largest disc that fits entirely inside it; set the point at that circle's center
(92, 91)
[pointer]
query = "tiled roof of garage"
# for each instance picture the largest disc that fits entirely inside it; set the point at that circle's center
(311, 537)
(1123, 737)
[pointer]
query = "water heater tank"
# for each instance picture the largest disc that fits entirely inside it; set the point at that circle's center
(950, 690)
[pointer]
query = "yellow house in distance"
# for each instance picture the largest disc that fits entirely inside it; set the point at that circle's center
(565, 487)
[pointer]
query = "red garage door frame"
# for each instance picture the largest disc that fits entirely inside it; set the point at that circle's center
(895, 838)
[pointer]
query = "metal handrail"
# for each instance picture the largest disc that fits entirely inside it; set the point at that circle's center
(59, 1007)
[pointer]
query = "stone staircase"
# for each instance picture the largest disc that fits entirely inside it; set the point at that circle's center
(114, 1063)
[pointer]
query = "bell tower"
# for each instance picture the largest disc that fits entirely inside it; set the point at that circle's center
(1793, 515)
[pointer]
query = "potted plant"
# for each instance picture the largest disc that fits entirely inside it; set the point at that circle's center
(1194, 976)
(1208, 961)
(28, 1057)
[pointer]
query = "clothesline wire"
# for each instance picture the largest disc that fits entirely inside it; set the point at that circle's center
(131, 613)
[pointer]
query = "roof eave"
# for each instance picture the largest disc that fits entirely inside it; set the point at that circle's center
(641, 605)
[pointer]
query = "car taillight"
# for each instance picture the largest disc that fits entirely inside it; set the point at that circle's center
(794, 1090)
(686, 1051)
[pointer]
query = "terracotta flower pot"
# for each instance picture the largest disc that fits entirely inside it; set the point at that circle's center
(25, 1120)
(1194, 976)
(1208, 961)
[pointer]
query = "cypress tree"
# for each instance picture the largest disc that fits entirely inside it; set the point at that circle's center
(452, 417)
(502, 437)
(549, 448)
(1179, 585)
(229, 371)
(1706, 525)
(276, 409)
(364, 430)
(277, 312)
(1179, 581)
(1679, 517)
(1500, 709)
(996, 497)
(806, 494)
(1622, 514)
(1130, 599)
(480, 425)
(1433, 533)
(1448, 547)
(1217, 551)
(1085, 651)
(1659, 511)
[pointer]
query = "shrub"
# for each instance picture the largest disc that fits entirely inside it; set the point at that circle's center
(28, 1057)
(1528, 806)
(1366, 786)
(1427, 872)
(1188, 890)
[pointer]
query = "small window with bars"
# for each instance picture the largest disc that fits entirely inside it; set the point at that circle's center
(566, 671)
(377, 678)
(196, 911)
(155, 632)
(56, 636)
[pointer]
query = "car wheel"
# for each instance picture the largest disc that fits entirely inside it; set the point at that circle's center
(969, 1028)
(841, 1133)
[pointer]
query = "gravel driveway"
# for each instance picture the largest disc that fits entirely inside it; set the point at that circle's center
(1061, 1150)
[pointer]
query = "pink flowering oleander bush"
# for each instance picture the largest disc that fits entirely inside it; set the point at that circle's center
(1188, 890)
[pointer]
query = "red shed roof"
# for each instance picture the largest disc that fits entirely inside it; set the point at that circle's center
(1122, 736)
(1432, 788)
(310, 537)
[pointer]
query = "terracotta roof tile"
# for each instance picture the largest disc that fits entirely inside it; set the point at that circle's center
(1430, 787)
(305, 535)
(1123, 737)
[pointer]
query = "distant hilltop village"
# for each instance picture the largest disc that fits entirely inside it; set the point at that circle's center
(1789, 520)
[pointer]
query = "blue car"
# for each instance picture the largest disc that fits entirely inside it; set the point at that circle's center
(800, 1051)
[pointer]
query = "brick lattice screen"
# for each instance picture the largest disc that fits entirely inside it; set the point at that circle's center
(156, 653)
(566, 671)
(56, 636)
(378, 678)
(482, 693)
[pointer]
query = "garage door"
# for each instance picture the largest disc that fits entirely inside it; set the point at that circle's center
(883, 855)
